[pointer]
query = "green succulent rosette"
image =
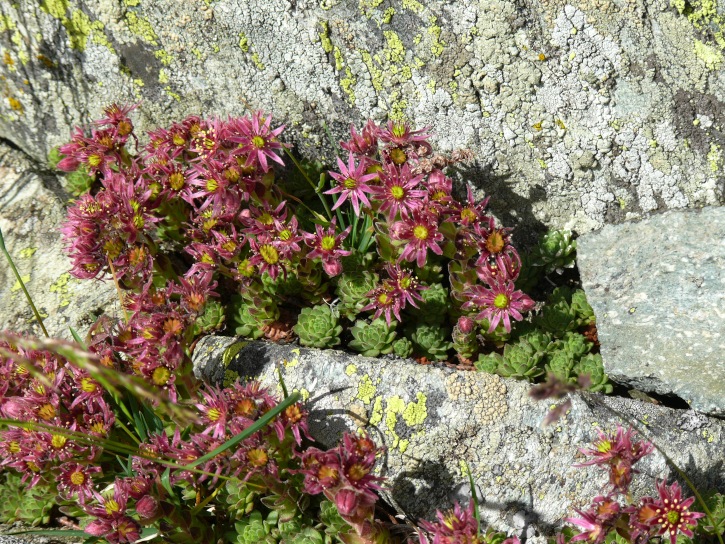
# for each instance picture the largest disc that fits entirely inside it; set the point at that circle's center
(318, 327)
(211, 319)
(561, 364)
(373, 339)
(352, 288)
(431, 341)
(521, 361)
(434, 308)
(249, 314)
(556, 251)
(403, 347)
(581, 308)
(489, 362)
(592, 366)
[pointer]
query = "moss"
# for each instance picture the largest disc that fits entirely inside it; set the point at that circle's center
(711, 56)
(325, 37)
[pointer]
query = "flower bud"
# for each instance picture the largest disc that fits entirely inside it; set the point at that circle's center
(147, 507)
(346, 501)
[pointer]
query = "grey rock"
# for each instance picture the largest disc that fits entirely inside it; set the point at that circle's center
(483, 74)
(657, 288)
(438, 423)
(32, 208)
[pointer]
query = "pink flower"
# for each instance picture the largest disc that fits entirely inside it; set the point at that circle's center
(398, 192)
(392, 296)
(420, 233)
(670, 512)
(258, 141)
(352, 183)
(363, 144)
(326, 245)
(458, 526)
(498, 303)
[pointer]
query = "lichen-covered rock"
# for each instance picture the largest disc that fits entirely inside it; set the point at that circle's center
(579, 113)
(657, 288)
(31, 212)
(435, 421)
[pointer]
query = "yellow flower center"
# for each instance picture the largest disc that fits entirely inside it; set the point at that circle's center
(384, 299)
(138, 221)
(113, 248)
(501, 301)
(176, 180)
(357, 472)
(495, 242)
(467, 214)
(245, 268)
(397, 192)
(161, 375)
(285, 235)
(269, 253)
(88, 385)
(420, 232)
(77, 478)
(58, 441)
(112, 507)
(328, 243)
(213, 414)
(349, 183)
(398, 156)
(13, 447)
(258, 142)
(211, 185)
(94, 160)
(673, 516)
(46, 412)
(124, 128)
(257, 457)
(178, 139)
(232, 174)
(398, 129)
(229, 245)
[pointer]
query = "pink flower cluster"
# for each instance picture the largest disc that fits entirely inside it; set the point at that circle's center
(69, 401)
(667, 515)
(457, 526)
(388, 176)
(345, 476)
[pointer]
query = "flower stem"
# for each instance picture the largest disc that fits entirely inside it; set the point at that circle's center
(22, 284)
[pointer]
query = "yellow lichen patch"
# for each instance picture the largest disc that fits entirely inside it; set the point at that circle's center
(163, 56)
(415, 413)
(141, 27)
(232, 351)
(377, 416)
(394, 50)
(16, 286)
(6, 22)
(434, 31)
(711, 56)
(230, 377)
(243, 42)
(714, 157)
(290, 364)
(28, 252)
(163, 76)
(61, 288)
(257, 62)
(366, 389)
(388, 16)
(15, 104)
(413, 5)
(324, 35)
(350, 369)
